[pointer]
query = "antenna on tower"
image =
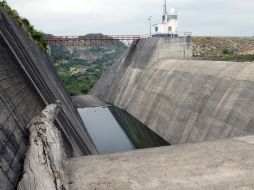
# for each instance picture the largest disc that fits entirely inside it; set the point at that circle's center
(165, 7)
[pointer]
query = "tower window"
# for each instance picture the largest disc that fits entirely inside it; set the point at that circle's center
(163, 18)
(156, 29)
(172, 17)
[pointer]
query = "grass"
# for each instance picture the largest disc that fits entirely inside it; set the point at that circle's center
(234, 57)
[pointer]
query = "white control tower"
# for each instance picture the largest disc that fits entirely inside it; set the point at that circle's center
(169, 25)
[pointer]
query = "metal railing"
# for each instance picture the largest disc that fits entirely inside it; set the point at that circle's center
(103, 37)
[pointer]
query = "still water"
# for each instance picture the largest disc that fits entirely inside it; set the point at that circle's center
(114, 130)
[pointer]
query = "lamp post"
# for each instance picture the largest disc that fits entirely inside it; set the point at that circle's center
(150, 25)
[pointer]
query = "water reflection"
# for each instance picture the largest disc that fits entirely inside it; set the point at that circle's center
(114, 130)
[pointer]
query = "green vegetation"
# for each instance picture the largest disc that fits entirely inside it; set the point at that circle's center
(226, 51)
(235, 57)
(23, 22)
(229, 55)
(80, 67)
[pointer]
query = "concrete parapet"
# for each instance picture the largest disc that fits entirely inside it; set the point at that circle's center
(225, 164)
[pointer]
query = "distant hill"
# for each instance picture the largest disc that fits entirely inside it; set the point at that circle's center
(81, 67)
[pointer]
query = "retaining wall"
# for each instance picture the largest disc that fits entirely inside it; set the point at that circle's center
(182, 100)
(28, 82)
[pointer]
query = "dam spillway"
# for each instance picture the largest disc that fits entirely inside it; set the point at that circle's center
(156, 81)
(182, 100)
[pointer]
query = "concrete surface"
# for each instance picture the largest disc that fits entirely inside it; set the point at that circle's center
(183, 101)
(219, 165)
(42, 76)
(86, 101)
(18, 105)
(29, 82)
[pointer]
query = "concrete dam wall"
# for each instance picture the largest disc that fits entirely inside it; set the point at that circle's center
(28, 82)
(181, 100)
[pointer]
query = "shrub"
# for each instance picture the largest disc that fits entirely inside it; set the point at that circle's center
(36, 35)
(226, 51)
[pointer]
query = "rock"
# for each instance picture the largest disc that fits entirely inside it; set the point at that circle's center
(45, 165)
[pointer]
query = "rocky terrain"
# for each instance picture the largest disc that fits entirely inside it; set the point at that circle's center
(217, 46)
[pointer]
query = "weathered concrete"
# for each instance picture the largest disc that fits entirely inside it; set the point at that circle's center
(29, 82)
(182, 100)
(85, 101)
(42, 77)
(218, 165)
(18, 104)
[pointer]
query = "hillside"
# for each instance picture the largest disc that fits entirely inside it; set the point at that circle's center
(224, 48)
(80, 67)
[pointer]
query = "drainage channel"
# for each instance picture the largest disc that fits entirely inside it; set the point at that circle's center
(114, 130)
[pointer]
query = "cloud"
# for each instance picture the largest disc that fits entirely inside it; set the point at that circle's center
(77, 17)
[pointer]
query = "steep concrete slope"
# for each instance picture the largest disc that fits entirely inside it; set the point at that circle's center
(140, 56)
(182, 100)
(28, 82)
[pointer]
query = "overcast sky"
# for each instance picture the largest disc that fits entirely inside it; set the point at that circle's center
(79, 17)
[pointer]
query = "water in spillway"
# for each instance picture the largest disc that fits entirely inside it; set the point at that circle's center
(114, 130)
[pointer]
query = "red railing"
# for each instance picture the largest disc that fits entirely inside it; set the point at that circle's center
(99, 40)
(104, 37)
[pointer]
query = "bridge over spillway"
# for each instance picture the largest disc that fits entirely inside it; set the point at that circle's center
(103, 40)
